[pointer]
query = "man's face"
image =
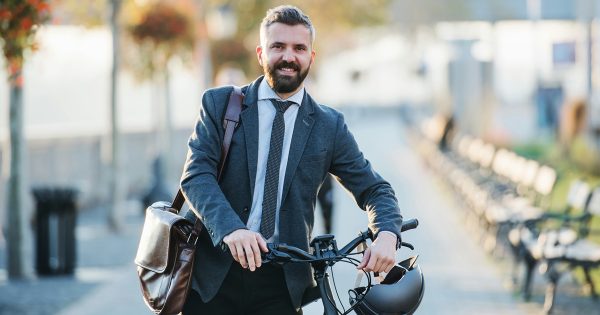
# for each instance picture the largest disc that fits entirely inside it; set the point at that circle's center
(286, 57)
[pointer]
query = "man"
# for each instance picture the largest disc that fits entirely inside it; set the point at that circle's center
(281, 152)
(325, 199)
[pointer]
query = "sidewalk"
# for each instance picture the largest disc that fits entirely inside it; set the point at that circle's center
(460, 278)
(103, 260)
(119, 293)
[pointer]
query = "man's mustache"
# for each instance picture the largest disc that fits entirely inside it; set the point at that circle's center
(285, 64)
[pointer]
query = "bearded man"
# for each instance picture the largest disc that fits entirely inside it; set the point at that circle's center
(280, 154)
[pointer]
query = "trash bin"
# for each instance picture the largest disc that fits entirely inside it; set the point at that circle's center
(56, 214)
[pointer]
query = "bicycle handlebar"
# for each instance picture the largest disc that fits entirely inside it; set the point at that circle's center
(286, 253)
(409, 225)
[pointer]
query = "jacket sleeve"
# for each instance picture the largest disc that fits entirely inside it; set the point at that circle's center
(199, 179)
(370, 191)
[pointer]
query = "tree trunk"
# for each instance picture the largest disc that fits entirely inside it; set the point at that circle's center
(15, 180)
(168, 129)
(114, 180)
(163, 128)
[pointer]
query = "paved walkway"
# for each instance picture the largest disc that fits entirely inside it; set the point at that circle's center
(460, 279)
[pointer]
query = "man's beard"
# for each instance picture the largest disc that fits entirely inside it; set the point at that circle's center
(284, 83)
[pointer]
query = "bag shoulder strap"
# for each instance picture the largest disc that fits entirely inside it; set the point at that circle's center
(231, 120)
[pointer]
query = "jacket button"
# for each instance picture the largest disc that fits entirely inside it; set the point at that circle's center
(245, 209)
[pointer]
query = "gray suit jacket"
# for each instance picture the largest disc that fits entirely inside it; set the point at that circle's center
(321, 143)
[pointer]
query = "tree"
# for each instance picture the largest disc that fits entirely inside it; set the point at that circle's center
(114, 182)
(92, 13)
(19, 21)
(160, 31)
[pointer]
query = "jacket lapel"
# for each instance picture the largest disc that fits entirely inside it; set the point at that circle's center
(303, 126)
(249, 120)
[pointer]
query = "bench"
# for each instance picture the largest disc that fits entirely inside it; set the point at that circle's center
(513, 208)
(564, 247)
(524, 238)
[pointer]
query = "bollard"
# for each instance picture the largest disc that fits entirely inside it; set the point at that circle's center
(56, 214)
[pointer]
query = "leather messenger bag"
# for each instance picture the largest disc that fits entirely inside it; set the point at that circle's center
(165, 255)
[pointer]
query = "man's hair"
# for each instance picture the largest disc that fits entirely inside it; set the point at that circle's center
(285, 14)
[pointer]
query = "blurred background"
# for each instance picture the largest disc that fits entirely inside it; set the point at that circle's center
(98, 98)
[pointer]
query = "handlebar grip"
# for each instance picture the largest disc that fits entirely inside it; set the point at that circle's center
(409, 225)
(282, 253)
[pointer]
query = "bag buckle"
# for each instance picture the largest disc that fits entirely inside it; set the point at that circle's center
(193, 236)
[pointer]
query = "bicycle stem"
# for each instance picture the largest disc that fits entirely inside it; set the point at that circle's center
(322, 278)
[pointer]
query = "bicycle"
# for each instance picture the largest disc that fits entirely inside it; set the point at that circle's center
(400, 292)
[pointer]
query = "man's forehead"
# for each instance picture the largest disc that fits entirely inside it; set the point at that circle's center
(296, 34)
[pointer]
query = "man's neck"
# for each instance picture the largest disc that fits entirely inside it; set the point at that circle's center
(265, 91)
(285, 96)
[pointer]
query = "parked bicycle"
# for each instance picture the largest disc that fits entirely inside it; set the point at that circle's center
(400, 292)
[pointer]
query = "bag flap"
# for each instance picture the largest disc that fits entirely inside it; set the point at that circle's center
(153, 249)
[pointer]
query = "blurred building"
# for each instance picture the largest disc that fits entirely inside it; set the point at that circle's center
(378, 71)
(505, 68)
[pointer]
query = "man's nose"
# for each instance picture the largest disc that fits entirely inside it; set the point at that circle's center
(288, 55)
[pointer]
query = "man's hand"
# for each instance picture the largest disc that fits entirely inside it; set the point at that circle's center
(381, 255)
(245, 247)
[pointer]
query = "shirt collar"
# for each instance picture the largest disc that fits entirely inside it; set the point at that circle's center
(265, 92)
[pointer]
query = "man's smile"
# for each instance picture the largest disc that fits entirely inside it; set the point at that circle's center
(287, 70)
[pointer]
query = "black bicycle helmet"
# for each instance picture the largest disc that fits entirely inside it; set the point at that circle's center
(399, 293)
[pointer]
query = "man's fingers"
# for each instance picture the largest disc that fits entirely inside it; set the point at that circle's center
(262, 243)
(387, 263)
(365, 259)
(376, 259)
(249, 256)
(389, 267)
(371, 264)
(241, 255)
(379, 265)
(256, 251)
(234, 253)
(233, 250)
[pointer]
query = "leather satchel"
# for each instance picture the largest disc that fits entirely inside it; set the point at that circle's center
(165, 255)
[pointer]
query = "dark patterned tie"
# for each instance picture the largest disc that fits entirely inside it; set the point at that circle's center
(267, 224)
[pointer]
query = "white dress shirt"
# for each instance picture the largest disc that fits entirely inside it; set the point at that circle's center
(266, 115)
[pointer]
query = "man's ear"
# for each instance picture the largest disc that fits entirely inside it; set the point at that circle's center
(259, 52)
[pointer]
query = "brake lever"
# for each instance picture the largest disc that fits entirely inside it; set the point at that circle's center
(409, 245)
(281, 257)
(275, 255)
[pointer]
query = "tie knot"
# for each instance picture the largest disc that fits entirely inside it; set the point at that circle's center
(280, 105)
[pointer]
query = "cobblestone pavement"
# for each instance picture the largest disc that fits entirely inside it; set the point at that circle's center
(460, 278)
